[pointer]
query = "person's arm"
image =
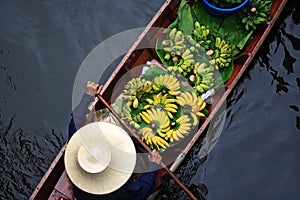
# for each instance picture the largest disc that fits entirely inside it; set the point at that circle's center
(81, 110)
(153, 165)
(145, 184)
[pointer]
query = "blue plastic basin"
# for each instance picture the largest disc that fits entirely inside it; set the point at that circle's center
(221, 12)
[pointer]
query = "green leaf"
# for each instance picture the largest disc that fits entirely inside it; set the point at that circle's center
(229, 28)
(172, 25)
(242, 43)
(185, 18)
(152, 72)
(233, 30)
(223, 76)
(161, 53)
(206, 19)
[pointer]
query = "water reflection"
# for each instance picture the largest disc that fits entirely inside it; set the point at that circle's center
(298, 82)
(26, 160)
(6, 78)
(296, 108)
(298, 122)
(186, 173)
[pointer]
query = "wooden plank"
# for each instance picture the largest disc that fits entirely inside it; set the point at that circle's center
(49, 180)
(64, 186)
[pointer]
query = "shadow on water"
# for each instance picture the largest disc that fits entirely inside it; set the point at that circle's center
(23, 157)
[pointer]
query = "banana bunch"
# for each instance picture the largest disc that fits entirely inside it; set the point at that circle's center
(157, 120)
(222, 55)
(200, 34)
(179, 128)
(152, 140)
(158, 124)
(185, 64)
(127, 116)
(163, 102)
(203, 77)
(174, 45)
(134, 89)
(191, 105)
(166, 83)
(254, 13)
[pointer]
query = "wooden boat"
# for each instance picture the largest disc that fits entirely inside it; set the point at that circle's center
(55, 183)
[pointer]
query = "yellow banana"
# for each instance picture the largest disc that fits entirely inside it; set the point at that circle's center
(174, 135)
(150, 101)
(161, 134)
(172, 33)
(171, 110)
(169, 133)
(195, 119)
(170, 115)
(199, 103)
(147, 106)
(174, 93)
(155, 87)
(135, 103)
(200, 114)
(171, 105)
(166, 123)
(168, 101)
(180, 100)
(166, 129)
(203, 105)
(145, 116)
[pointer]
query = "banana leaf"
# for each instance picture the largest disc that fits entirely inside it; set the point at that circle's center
(152, 72)
(185, 18)
(206, 19)
(161, 53)
(223, 75)
(229, 28)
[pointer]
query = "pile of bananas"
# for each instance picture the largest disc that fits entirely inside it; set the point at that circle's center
(221, 55)
(254, 13)
(185, 64)
(166, 84)
(135, 89)
(179, 128)
(174, 46)
(200, 33)
(191, 105)
(163, 113)
(203, 77)
(157, 122)
(197, 56)
(164, 103)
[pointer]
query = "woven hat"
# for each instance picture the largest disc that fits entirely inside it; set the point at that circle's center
(100, 157)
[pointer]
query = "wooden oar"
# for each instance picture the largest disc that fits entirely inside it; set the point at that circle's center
(145, 146)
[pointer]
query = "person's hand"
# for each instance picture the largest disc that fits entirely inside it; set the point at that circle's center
(155, 157)
(93, 88)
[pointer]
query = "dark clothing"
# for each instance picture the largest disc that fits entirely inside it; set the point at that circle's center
(138, 187)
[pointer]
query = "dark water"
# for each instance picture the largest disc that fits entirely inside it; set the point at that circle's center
(42, 44)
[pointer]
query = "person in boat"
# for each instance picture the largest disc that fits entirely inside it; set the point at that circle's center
(139, 185)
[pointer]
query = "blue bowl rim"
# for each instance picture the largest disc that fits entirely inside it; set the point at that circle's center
(225, 9)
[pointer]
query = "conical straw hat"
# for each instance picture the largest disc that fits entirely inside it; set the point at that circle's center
(100, 157)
